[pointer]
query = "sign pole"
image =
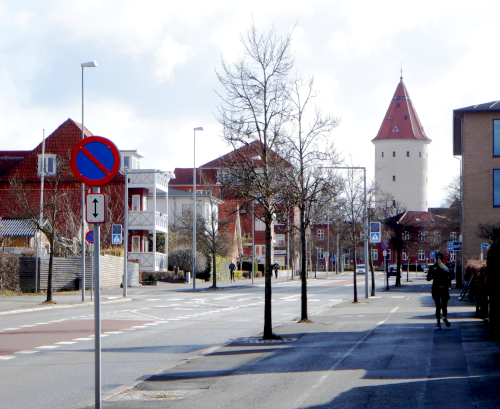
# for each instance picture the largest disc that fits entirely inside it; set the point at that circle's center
(97, 311)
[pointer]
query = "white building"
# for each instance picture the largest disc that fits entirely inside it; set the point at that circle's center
(147, 191)
(401, 155)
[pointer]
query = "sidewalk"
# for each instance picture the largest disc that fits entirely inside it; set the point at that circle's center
(379, 353)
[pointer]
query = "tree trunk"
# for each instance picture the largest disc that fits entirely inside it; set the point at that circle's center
(49, 277)
(303, 314)
(372, 270)
(268, 329)
(354, 276)
(214, 271)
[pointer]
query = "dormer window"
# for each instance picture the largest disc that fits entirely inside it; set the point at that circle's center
(50, 165)
(126, 162)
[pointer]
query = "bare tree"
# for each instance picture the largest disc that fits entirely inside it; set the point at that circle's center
(308, 149)
(58, 214)
(254, 109)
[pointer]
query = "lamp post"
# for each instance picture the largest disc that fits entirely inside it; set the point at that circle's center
(194, 205)
(90, 64)
(365, 217)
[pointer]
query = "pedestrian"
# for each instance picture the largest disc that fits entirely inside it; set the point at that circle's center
(441, 277)
(232, 267)
(276, 268)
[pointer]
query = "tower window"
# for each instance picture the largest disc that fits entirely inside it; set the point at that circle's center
(393, 202)
(382, 154)
(399, 97)
(394, 178)
(403, 97)
(406, 117)
(388, 118)
(420, 154)
(398, 104)
(407, 154)
(394, 154)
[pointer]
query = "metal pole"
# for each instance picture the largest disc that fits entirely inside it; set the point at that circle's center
(328, 240)
(41, 209)
(125, 236)
(91, 273)
(253, 242)
(83, 208)
(194, 210)
(97, 312)
(366, 235)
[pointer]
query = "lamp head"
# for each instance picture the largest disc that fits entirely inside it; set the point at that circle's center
(90, 64)
(199, 128)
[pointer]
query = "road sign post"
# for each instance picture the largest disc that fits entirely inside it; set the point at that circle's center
(375, 232)
(95, 161)
(116, 234)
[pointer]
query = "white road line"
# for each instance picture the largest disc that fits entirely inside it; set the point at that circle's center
(114, 332)
(153, 299)
(47, 347)
(6, 357)
(27, 352)
(66, 342)
(82, 339)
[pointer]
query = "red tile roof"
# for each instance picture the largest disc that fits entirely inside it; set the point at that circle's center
(401, 120)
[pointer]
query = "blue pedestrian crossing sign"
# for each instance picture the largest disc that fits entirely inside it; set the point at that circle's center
(116, 234)
(375, 232)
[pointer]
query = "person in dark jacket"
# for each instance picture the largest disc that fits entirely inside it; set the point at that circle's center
(232, 267)
(441, 277)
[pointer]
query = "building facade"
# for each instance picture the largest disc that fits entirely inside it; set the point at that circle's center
(476, 139)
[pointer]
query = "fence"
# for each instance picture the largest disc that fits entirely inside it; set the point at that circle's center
(66, 273)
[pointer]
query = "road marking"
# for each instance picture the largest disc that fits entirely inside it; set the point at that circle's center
(47, 347)
(398, 296)
(82, 339)
(6, 357)
(27, 352)
(153, 299)
(109, 332)
(66, 342)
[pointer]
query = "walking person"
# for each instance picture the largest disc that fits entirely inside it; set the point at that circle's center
(441, 277)
(232, 267)
(276, 268)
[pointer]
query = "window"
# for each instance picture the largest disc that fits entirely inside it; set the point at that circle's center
(399, 98)
(421, 255)
(394, 178)
(319, 252)
(136, 203)
(496, 187)
(406, 117)
(382, 154)
(144, 204)
(421, 236)
(398, 104)
(389, 118)
(406, 236)
(393, 154)
(260, 251)
(50, 165)
(420, 154)
(260, 225)
(394, 202)
(126, 162)
(280, 240)
(453, 236)
(403, 97)
(136, 244)
(437, 237)
(374, 254)
(407, 154)
(496, 137)
(321, 234)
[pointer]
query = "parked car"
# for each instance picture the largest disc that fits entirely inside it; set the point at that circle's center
(393, 268)
(360, 269)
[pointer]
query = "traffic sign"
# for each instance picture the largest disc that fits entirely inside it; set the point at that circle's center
(90, 237)
(95, 160)
(433, 254)
(375, 232)
(484, 245)
(96, 207)
(116, 233)
(454, 246)
(385, 245)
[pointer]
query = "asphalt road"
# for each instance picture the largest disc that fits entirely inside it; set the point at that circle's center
(47, 357)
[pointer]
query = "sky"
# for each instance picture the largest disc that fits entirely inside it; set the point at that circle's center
(157, 62)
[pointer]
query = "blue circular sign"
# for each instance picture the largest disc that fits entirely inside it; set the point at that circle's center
(385, 245)
(95, 160)
(90, 237)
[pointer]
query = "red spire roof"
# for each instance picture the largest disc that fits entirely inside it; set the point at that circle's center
(401, 120)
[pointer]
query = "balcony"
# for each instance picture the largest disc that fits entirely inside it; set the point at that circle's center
(147, 220)
(150, 179)
(150, 261)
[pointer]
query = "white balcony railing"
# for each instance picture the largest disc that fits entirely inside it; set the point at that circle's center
(146, 221)
(145, 178)
(150, 261)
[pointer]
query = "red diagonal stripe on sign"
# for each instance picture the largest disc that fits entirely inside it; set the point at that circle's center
(94, 160)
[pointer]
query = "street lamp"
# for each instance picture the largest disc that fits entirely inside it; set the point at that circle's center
(90, 64)
(365, 216)
(194, 206)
